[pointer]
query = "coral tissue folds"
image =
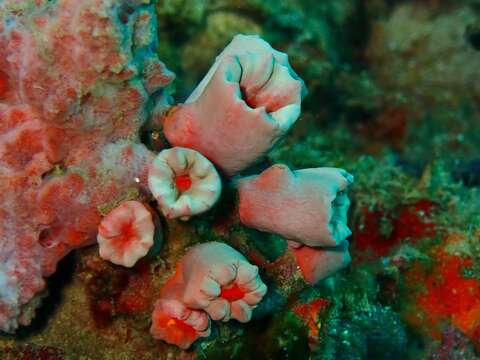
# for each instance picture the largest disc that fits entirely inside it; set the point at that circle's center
(176, 324)
(317, 263)
(247, 101)
(126, 234)
(219, 280)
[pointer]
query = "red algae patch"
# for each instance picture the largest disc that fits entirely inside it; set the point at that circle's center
(137, 295)
(113, 290)
(446, 295)
(407, 223)
(311, 314)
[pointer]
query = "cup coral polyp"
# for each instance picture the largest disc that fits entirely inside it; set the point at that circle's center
(126, 234)
(212, 279)
(247, 101)
(184, 182)
(176, 324)
(308, 206)
(318, 263)
(218, 279)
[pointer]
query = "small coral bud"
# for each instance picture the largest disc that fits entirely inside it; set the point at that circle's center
(184, 182)
(126, 234)
(174, 323)
(319, 263)
(308, 206)
(247, 101)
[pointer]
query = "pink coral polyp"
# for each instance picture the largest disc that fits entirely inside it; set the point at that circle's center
(184, 182)
(211, 280)
(174, 323)
(319, 263)
(308, 206)
(247, 101)
(218, 279)
(126, 234)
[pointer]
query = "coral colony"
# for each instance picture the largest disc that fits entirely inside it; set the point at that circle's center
(78, 80)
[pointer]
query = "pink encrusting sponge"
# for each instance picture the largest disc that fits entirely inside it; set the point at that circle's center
(247, 101)
(75, 85)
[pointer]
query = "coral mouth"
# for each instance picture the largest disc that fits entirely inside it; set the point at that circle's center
(183, 182)
(232, 293)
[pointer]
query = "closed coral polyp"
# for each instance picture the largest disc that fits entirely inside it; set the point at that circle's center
(319, 263)
(308, 206)
(247, 101)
